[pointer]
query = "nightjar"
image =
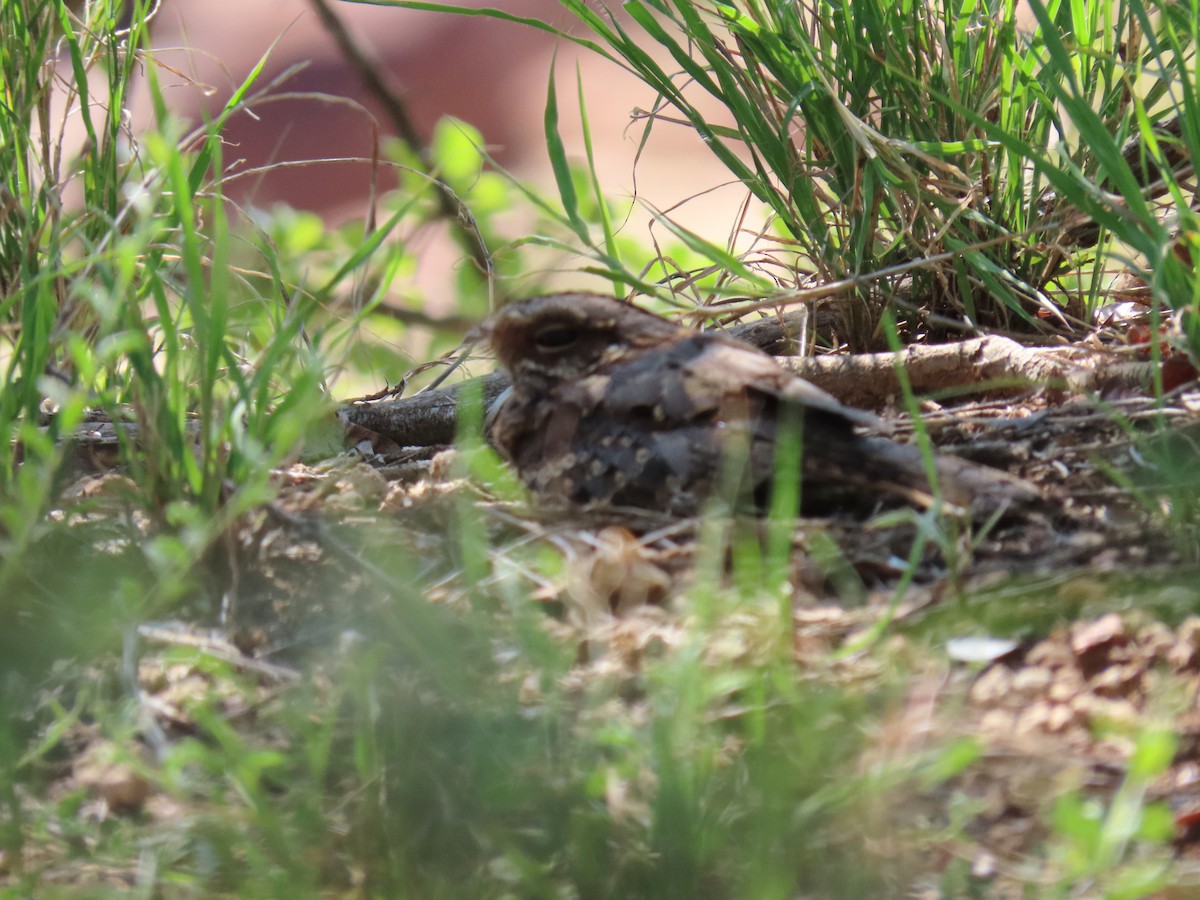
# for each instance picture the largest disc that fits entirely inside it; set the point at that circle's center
(612, 406)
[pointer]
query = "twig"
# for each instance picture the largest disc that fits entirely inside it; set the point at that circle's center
(991, 364)
(449, 206)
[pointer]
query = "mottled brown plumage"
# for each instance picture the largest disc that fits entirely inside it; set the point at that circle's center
(611, 406)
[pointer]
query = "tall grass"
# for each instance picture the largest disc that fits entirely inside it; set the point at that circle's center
(941, 157)
(120, 292)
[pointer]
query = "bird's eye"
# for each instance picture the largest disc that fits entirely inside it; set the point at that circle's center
(556, 337)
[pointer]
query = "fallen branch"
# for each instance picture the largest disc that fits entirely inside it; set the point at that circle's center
(988, 365)
(992, 365)
(424, 420)
(430, 419)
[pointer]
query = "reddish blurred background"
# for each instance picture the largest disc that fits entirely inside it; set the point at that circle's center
(491, 74)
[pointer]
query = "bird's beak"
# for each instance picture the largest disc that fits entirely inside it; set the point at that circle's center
(489, 417)
(480, 333)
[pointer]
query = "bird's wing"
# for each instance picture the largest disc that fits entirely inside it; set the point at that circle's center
(709, 375)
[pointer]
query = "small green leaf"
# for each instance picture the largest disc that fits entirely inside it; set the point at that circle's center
(1153, 753)
(457, 153)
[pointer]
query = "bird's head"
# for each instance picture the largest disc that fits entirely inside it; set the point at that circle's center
(565, 336)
